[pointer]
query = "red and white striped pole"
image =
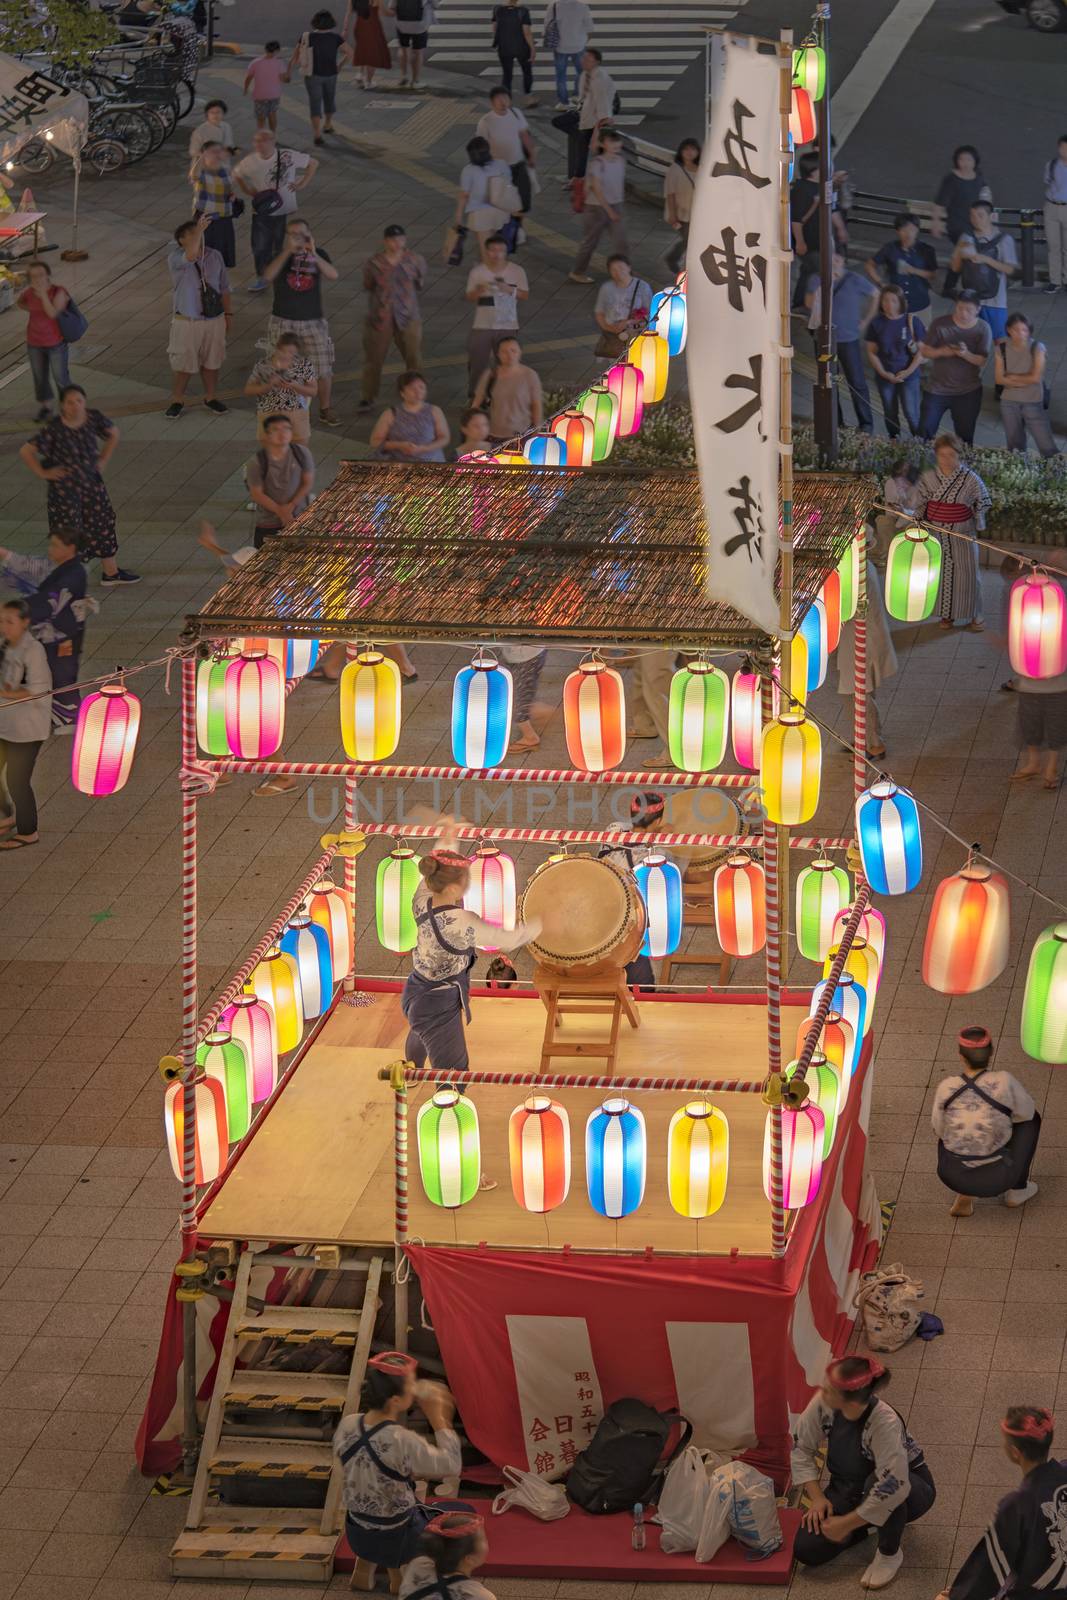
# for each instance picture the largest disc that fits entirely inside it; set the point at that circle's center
(774, 1000)
(837, 966)
(859, 688)
(572, 1080)
(671, 779)
(351, 823)
(398, 1076)
(189, 965)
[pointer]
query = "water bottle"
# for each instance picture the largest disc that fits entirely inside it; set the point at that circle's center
(637, 1532)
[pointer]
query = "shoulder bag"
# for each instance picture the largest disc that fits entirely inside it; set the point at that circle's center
(265, 202)
(73, 324)
(211, 305)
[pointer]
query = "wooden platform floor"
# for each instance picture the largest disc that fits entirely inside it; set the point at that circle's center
(320, 1166)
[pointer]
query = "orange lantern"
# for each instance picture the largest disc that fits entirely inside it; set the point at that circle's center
(331, 908)
(967, 937)
(740, 906)
(802, 123)
(594, 716)
(830, 594)
(212, 1133)
(837, 1041)
(578, 435)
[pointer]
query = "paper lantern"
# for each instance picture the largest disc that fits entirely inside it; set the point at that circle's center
(212, 1136)
(482, 700)
(539, 1146)
(577, 435)
(850, 1000)
(510, 458)
(395, 883)
(698, 1159)
(746, 717)
(861, 964)
(222, 1057)
(211, 705)
(651, 355)
(739, 894)
(104, 740)
(309, 945)
(890, 841)
(250, 1021)
(601, 406)
(668, 317)
(848, 570)
(968, 932)
(822, 890)
(697, 716)
(803, 1137)
(255, 705)
(615, 1158)
(545, 450)
(277, 981)
(798, 668)
(331, 908)
(1044, 1024)
(450, 1158)
(912, 575)
(809, 70)
(813, 626)
(824, 1091)
(830, 594)
(1037, 627)
(300, 656)
(660, 885)
(871, 927)
(491, 891)
(594, 716)
(802, 120)
(791, 768)
(629, 384)
(837, 1042)
(370, 707)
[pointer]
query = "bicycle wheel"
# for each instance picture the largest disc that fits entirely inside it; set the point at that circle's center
(186, 94)
(131, 128)
(104, 155)
(168, 110)
(36, 157)
(157, 125)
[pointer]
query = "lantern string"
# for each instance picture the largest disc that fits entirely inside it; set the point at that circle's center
(175, 653)
(935, 528)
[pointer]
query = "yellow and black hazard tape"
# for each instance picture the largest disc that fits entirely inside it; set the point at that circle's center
(297, 1333)
(281, 1402)
(226, 1467)
(165, 1485)
(242, 1553)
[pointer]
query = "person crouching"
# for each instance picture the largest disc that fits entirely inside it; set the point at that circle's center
(987, 1129)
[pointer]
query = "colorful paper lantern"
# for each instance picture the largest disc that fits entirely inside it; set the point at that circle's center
(222, 1057)
(594, 716)
(660, 884)
(651, 355)
(861, 964)
(628, 383)
(577, 435)
(871, 927)
(331, 908)
(791, 768)
(889, 837)
(830, 594)
(309, 945)
(824, 1091)
(822, 890)
(615, 1158)
(450, 1157)
(967, 936)
(698, 1159)
(300, 656)
(212, 1135)
(482, 700)
(491, 891)
(510, 458)
(539, 1146)
(912, 575)
(255, 705)
(105, 739)
(601, 406)
(809, 70)
(211, 705)
(803, 1137)
(803, 123)
(276, 980)
(370, 706)
(697, 716)
(1044, 1023)
(848, 570)
(798, 668)
(739, 894)
(395, 883)
(849, 999)
(837, 1042)
(668, 317)
(545, 450)
(813, 626)
(1037, 627)
(746, 717)
(250, 1021)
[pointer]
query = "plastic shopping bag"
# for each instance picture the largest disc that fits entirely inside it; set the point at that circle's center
(682, 1502)
(751, 1508)
(715, 1527)
(527, 1492)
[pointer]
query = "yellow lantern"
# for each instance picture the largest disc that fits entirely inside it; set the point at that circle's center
(277, 981)
(863, 964)
(798, 668)
(790, 768)
(698, 1158)
(651, 354)
(370, 707)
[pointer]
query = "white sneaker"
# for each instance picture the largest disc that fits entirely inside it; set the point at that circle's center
(882, 1570)
(1019, 1197)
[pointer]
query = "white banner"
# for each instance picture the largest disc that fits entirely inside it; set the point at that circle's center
(31, 105)
(712, 1364)
(559, 1391)
(733, 295)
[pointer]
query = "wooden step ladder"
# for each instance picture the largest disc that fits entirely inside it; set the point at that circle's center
(563, 997)
(285, 1544)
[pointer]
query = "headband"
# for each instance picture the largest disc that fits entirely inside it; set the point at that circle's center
(646, 806)
(1038, 1426)
(455, 1525)
(449, 858)
(974, 1038)
(394, 1363)
(862, 1380)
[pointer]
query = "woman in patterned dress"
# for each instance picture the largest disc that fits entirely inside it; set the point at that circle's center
(954, 496)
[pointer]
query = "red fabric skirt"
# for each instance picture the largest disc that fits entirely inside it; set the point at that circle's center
(371, 48)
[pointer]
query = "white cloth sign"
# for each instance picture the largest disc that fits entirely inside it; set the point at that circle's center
(31, 105)
(559, 1391)
(712, 1364)
(734, 296)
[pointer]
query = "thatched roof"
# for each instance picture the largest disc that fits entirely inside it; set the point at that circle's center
(475, 554)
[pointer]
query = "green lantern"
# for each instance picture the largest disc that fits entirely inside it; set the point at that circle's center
(697, 717)
(394, 888)
(809, 70)
(823, 891)
(225, 1058)
(848, 569)
(211, 705)
(601, 406)
(450, 1157)
(1044, 1027)
(824, 1091)
(912, 575)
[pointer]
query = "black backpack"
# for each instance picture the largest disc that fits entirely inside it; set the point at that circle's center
(409, 10)
(623, 1463)
(985, 281)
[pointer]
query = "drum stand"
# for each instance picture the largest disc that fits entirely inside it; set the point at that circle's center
(604, 996)
(699, 912)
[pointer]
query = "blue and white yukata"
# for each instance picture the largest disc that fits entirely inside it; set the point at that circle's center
(987, 1130)
(384, 1518)
(421, 1581)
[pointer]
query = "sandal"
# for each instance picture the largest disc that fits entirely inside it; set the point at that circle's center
(521, 745)
(6, 823)
(946, 624)
(1051, 784)
(1023, 777)
(976, 626)
(876, 752)
(316, 675)
(18, 843)
(272, 786)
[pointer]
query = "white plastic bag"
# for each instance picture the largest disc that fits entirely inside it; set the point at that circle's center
(715, 1528)
(527, 1492)
(751, 1508)
(681, 1504)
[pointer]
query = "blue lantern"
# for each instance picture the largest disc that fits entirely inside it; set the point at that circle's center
(850, 999)
(545, 450)
(300, 656)
(481, 713)
(615, 1151)
(890, 841)
(668, 317)
(309, 945)
(792, 155)
(813, 626)
(660, 884)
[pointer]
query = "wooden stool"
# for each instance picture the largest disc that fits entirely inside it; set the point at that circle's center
(698, 903)
(604, 996)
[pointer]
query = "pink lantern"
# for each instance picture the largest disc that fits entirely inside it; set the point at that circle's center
(746, 717)
(629, 384)
(871, 927)
(491, 891)
(250, 1020)
(212, 1133)
(803, 1137)
(1037, 627)
(255, 705)
(105, 739)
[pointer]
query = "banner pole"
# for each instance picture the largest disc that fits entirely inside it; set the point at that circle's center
(785, 451)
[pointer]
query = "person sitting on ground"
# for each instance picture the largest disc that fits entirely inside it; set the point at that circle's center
(451, 1550)
(55, 588)
(987, 1129)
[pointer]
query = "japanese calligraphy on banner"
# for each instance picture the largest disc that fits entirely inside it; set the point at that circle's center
(559, 1392)
(31, 105)
(733, 294)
